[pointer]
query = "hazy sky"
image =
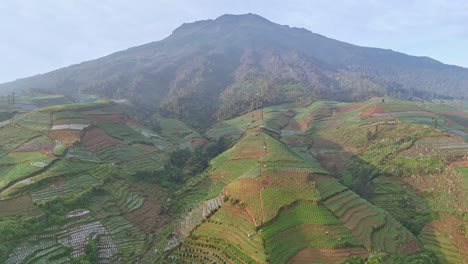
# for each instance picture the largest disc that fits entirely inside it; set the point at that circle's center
(42, 35)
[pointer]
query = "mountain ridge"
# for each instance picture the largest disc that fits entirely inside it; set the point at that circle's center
(221, 67)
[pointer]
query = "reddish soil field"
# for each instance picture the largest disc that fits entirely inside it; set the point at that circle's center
(114, 118)
(327, 255)
(198, 142)
(348, 108)
(71, 121)
(148, 217)
(96, 139)
(371, 111)
(45, 148)
(66, 136)
(448, 225)
(21, 205)
(459, 163)
(412, 246)
(145, 149)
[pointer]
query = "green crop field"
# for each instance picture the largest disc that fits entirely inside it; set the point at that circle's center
(301, 226)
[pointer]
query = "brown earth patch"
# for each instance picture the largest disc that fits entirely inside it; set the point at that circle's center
(371, 111)
(348, 108)
(67, 136)
(459, 163)
(45, 148)
(96, 139)
(21, 205)
(198, 142)
(149, 216)
(448, 225)
(327, 255)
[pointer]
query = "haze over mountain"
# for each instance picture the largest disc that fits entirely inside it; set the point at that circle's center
(235, 63)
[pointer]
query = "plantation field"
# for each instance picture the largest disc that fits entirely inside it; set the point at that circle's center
(18, 165)
(448, 243)
(228, 235)
(12, 137)
(18, 206)
(122, 131)
(65, 186)
(96, 139)
(369, 224)
(35, 120)
(306, 225)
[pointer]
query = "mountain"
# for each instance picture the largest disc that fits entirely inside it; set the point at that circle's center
(219, 68)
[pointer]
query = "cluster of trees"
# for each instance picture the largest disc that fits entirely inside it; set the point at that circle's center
(183, 164)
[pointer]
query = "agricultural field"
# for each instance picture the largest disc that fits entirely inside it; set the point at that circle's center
(307, 225)
(291, 183)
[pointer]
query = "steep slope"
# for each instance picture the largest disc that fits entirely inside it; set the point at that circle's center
(240, 62)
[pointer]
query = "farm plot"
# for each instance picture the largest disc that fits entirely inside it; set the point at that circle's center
(40, 143)
(174, 130)
(150, 161)
(277, 118)
(21, 205)
(64, 187)
(237, 126)
(401, 202)
(232, 225)
(119, 153)
(208, 251)
(78, 236)
(12, 137)
(18, 165)
(34, 120)
(67, 114)
(67, 137)
(224, 172)
(82, 154)
(125, 198)
(306, 225)
(328, 186)
(129, 239)
(96, 140)
(39, 249)
(122, 131)
(366, 223)
(282, 188)
(227, 236)
(446, 146)
(449, 244)
(252, 146)
(327, 255)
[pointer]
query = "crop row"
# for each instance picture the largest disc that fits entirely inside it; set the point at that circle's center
(126, 236)
(68, 186)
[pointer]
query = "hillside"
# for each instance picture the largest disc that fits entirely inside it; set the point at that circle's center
(328, 181)
(238, 63)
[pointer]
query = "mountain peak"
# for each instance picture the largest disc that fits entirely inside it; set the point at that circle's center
(242, 17)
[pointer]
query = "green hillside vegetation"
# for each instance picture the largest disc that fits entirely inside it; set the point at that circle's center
(295, 182)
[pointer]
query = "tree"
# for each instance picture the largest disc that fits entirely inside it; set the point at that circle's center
(91, 251)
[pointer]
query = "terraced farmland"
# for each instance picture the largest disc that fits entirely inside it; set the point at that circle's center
(66, 186)
(307, 225)
(370, 224)
(228, 236)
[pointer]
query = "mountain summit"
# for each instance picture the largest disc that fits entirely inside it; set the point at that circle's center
(222, 67)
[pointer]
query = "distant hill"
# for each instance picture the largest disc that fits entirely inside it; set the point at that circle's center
(218, 68)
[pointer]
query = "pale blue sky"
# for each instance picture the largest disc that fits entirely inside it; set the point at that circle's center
(38, 36)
